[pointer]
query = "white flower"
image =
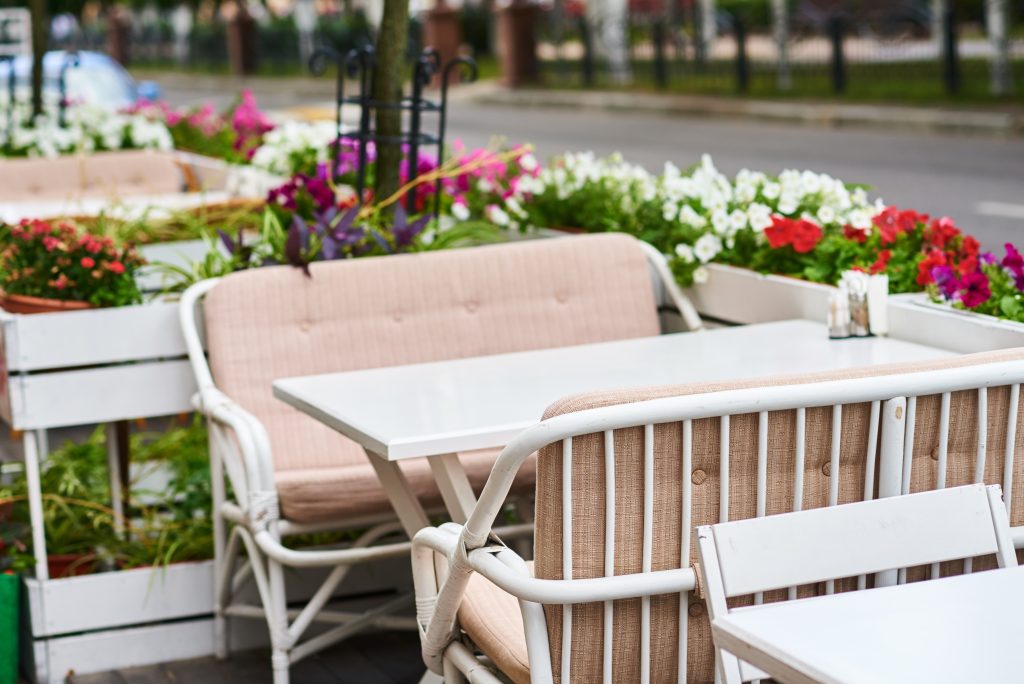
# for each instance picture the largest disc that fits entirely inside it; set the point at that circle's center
(689, 217)
(810, 182)
(788, 204)
(737, 220)
(685, 252)
(528, 163)
(759, 216)
(497, 215)
(707, 247)
(826, 215)
(720, 221)
(701, 275)
(460, 211)
(669, 211)
(484, 185)
(771, 191)
(860, 219)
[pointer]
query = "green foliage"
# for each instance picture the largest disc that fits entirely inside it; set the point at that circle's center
(167, 524)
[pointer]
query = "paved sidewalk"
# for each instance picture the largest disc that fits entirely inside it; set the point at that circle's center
(1001, 122)
(311, 98)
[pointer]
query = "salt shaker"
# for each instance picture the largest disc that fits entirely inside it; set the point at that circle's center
(839, 314)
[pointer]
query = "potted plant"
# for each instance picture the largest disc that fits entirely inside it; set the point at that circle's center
(78, 524)
(53, 266)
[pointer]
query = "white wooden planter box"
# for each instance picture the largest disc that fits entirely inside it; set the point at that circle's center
(741, 296)
(129, 618)
(93, 366)
(915, 318)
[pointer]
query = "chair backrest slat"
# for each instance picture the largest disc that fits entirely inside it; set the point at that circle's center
(758, 457)
(861, 538)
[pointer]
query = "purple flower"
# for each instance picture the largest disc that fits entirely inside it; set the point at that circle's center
(1014, 263)
(304, 193)
(945, 278)
(974, 290)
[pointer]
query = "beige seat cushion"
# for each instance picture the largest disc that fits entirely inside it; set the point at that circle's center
(588, 544)
(492, 619)
(276, 322)
(318, 494)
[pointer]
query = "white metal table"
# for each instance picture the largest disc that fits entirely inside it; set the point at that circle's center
(955, 629)
(442, 408)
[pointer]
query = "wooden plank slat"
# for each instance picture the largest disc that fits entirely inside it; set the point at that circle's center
(92, 337)
(100, 395)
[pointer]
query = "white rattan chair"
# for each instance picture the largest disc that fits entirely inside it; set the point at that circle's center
(625, 477)
(751, 557)
(291, 475)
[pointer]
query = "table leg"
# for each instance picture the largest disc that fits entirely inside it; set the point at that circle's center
(35, 452)
(454, 486)
(408, 508)
(114, 473)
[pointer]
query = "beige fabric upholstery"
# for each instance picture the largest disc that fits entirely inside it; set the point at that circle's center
(105, 174)
(134, 172)
(589, 501)
(366, 313)
(494, 623)
(353, 490)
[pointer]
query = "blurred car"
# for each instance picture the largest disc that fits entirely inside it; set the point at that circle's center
(95, 80)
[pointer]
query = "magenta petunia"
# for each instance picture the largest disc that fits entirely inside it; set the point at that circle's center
(974, 289)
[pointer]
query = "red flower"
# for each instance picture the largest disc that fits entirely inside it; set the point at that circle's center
(941, 232)
(891, 222)
(970, 246)
(51, 243)
(780, 233)
(933, 259)
(855, 234)
(805, 236)
(968, 265)
(88, 262)
(115, 267)
(882, 262)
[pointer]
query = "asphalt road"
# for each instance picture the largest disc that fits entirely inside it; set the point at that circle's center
(977, 181)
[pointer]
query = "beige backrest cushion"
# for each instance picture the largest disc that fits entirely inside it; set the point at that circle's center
(275, 322)
(104, 174)
(132, 172)
(589, 501)
(26, 180)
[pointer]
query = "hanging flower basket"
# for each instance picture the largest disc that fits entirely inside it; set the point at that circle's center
(23, 304)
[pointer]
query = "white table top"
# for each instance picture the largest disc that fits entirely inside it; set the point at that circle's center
(955, 629)
(476, 403)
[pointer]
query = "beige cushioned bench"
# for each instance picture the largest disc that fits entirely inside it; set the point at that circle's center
(275, 322)
(491, 617)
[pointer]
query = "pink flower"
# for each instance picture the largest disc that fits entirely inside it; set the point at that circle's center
(974, 289)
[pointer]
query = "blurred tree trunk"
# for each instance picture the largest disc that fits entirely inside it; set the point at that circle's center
(387, 89)
(40, 35)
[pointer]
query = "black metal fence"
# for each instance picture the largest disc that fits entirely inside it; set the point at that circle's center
(883, 56)
(276, 47)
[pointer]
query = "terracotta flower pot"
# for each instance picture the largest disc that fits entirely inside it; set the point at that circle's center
(70, 564)
(23, 304)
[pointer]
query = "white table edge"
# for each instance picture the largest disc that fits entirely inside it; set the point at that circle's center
(752, 649)
(370, 442)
